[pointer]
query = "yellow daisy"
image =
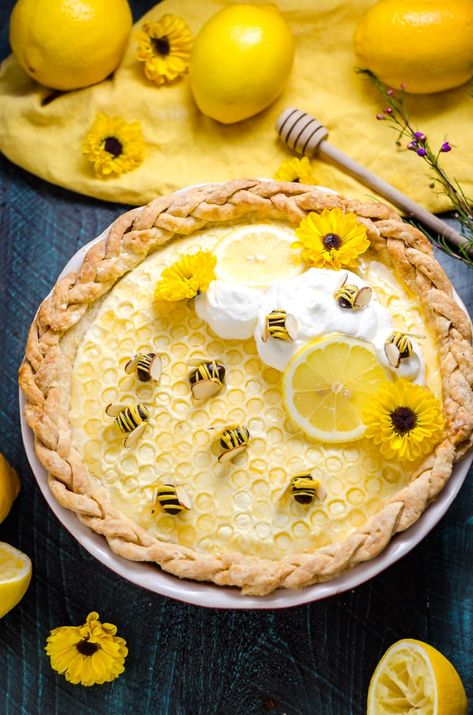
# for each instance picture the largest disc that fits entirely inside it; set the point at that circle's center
(87, 655)
(404, 420)
(165, 48)
(113, 146)
(331, 239)
(187, 277)
(297, 170)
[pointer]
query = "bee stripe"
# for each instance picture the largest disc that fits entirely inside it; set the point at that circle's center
(229, 439)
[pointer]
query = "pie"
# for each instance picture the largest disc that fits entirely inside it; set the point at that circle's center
(223, 436)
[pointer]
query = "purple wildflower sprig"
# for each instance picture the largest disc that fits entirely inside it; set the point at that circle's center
(408, 137)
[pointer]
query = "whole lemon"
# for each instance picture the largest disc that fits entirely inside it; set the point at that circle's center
(425, 44)
(9, 487)
(68, 44)
(240, 61)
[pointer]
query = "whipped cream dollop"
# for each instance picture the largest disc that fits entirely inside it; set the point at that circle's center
(231, 310)
(237, 312)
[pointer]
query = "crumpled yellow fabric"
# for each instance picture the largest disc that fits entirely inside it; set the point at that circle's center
(43, 133)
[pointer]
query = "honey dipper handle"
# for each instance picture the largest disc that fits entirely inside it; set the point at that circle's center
(306, 135)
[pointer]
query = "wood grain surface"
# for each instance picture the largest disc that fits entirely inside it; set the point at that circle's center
(183, 660)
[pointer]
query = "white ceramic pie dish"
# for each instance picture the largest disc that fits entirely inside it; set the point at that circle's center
(149, 576)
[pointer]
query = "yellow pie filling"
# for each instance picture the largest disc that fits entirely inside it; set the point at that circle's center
(235, 505)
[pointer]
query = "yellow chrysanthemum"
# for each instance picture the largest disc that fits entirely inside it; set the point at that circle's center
(331, 239)
(187, 277)
(113, 146)
(404, 420)
(87, 655)
(297, 170)
(165, 48)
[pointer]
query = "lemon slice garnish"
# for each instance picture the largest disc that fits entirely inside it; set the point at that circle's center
(327, 384)
(257, 255)
(15, 577)
(413, 677)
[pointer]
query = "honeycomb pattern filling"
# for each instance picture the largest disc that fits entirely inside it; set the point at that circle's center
(235, 506)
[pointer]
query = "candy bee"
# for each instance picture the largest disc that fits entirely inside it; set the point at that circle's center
(351, 297)
(129, 420)
(398, 346)
(304, 489)
(171, 498)
(279, 325)
(207, 379)
(233, 439)
(148, 366)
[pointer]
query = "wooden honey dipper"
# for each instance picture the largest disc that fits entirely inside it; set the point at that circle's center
(305, 135)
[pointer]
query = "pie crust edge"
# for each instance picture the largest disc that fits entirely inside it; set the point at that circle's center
(44, 372)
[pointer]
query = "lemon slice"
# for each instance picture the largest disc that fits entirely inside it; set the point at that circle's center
(256, 255)
(328, 382)
(15, 577)
(413, 677)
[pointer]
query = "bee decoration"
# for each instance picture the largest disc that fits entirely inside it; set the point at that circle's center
(304, 489)
(207, 379)
(148, 366)
(398, 346)
(129, 420)
(279, 325)
(171, 499)
(350, 297)
(233, 439)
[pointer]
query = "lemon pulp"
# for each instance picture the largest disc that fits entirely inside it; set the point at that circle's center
(327, 384)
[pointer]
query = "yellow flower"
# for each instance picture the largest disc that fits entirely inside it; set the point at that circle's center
(332, 239)
(165, 48)
(89, 654)
(187, 277)
(404, 420)
(113, 146)
(297, 170)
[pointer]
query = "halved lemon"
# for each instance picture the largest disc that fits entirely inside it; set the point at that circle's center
(257, 254)
(15, 576)
(414, 677)
(328, 382)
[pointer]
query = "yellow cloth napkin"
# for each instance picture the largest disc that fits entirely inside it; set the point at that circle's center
(43, 133)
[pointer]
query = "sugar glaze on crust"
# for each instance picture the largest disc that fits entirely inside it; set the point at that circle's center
(45, 376)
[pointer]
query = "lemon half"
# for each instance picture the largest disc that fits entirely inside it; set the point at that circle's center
(15, 577)
(326, 386)
(256, 255)
(412, 676)
(9, 487)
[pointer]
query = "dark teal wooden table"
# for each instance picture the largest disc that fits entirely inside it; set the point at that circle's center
(184, 660)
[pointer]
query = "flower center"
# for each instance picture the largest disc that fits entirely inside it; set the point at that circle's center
(296, 180)
(87, 648)
(113, 146)
(403, 420)
(161, 45)
(332, 241)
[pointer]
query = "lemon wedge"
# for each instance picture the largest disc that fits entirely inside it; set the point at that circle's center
(256, 255)
(327, 383)
(15, 577)
(412, 676)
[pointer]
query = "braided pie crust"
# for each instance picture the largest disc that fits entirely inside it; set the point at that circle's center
(45, 377)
